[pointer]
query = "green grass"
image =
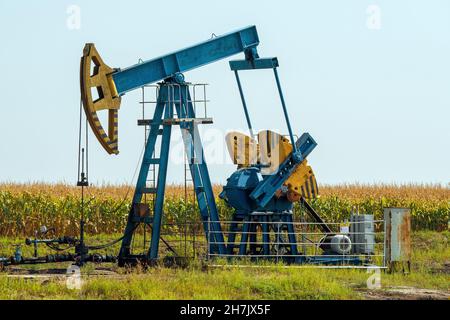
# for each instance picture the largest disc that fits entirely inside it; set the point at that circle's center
(189, 284)
(430, 254)
(223, 284)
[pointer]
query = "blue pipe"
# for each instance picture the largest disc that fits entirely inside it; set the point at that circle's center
(296, 152)
(244, 103)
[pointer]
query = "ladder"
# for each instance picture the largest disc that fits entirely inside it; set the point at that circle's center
(151, 177)
(173, 107)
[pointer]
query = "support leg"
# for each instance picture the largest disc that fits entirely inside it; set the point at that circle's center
(291, 236)
(125, 249)
(232, 236)
(266, 235)
(253, 237)
(244, 238)
(161, 187)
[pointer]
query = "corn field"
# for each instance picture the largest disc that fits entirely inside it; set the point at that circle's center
(23, 208)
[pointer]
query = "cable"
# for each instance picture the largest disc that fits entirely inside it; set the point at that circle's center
(56, 248)
(79, 138)
(87, 150)
(107, 245)
(165, 242)
(110, 244)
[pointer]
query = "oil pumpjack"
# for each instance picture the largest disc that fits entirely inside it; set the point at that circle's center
(272, 172)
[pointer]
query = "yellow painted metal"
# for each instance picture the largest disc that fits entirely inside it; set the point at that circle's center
(272, 150)
(242, 148)
(302, 183)
(112, 86)
(95, 75)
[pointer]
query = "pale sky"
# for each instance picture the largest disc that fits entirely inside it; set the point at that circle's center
(375, 95)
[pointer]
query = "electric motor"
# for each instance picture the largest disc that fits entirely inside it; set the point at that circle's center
(341, 244)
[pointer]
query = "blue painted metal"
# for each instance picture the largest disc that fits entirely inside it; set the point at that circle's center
(244, 237)
(335, 260)
(160, 187)
(262, 63)
(266, 235)
(238, 188)
(291, 233)
(199, 172)
(247, 190)
(232, 236)
(244, 103)
(265, 63)
(174, 96)
(265, 191)
(252, 243)
(296, 153)
(244, 40)
(133, 221)
(169, 67)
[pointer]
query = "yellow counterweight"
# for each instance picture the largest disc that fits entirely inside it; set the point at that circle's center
(95, 76)
(270, 152)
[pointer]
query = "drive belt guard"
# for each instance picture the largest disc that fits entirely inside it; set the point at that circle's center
(96, 76)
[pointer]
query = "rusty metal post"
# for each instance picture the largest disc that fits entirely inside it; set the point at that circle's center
(397, 238)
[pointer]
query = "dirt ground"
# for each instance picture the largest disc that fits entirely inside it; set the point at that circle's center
(56, 274)
(406, 293)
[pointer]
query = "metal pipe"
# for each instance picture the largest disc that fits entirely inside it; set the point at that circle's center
(244, 104)
(286, 116)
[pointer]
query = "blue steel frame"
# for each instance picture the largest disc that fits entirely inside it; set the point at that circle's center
(169, 68)
(249, 234)
(264, 63)
(266, 189)
(173, 96)
(244, 40)
(301, 149)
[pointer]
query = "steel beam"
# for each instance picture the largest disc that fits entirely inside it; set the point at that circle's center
(244, 40)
